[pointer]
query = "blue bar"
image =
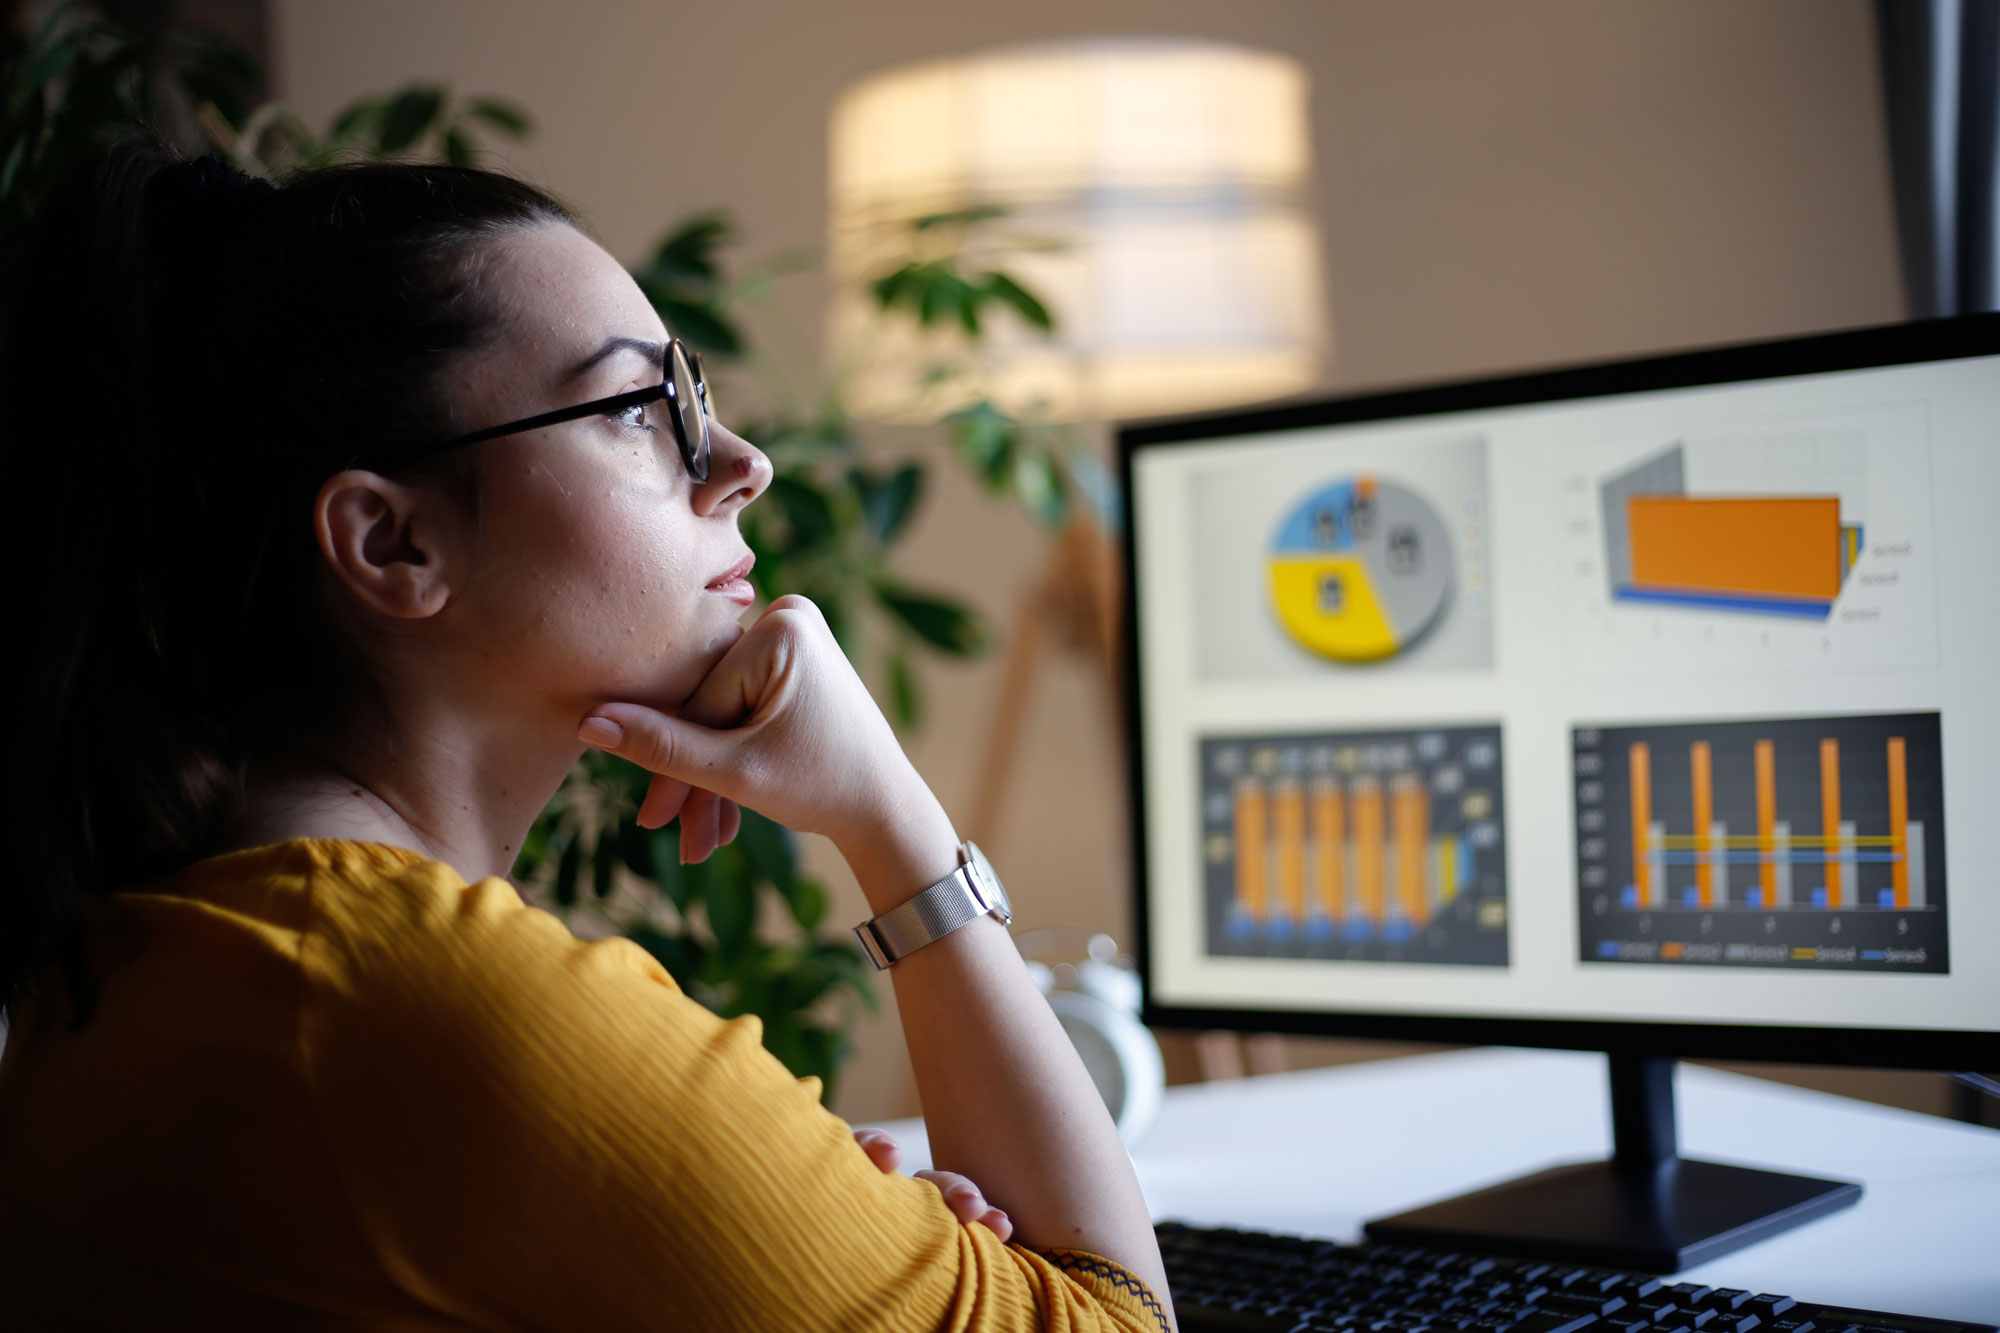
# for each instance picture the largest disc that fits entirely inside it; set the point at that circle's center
(1628, 898)
(1358, 931)
(1885, 898)
(1319, 928)
(1239, 925)
(1607, 948)
(1754, 899)
(1397, 932)
(1819, 897)
(1690, 897)
(1806, 608)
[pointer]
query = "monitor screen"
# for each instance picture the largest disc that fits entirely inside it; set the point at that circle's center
(1661, 693)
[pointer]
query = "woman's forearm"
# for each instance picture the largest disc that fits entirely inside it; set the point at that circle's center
(1006, 1100)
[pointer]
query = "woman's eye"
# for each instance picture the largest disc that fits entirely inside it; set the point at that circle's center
(635, 415)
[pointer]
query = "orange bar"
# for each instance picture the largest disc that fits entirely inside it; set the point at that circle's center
(1368, 847)
(1704, 812)
(1640, 759)
(1829, 814)
(1411, 817)
(1785, 547)
(1252, 876)
(1899, 818)
(1767, 822)
(1329, 838)
(1289, 808)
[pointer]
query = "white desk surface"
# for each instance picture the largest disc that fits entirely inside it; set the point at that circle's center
(1319, 1151)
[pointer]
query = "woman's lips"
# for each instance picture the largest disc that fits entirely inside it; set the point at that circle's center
(733, 584)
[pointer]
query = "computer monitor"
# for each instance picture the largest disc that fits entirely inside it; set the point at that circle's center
(1649, 707)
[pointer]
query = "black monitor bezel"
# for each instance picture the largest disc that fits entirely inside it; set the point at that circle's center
(1851, 349)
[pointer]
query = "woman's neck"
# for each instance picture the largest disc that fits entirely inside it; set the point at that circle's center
(459, 799)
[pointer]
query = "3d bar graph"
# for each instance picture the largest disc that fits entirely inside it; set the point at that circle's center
(1362, 846)
(1783, 842)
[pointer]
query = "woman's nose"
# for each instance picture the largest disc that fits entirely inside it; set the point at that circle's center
(738, 472)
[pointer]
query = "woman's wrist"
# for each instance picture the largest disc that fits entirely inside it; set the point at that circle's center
(905, 847)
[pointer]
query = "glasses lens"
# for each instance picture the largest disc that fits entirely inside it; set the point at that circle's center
(693, 422)
(702, 383)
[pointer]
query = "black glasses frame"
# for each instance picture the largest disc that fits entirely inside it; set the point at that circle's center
(694, 443)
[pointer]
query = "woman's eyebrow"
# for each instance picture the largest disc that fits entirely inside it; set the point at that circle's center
(655, 353)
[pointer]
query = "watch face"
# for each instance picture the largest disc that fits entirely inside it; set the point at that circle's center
(989, 883)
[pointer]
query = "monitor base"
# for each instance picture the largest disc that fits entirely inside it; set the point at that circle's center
(1662, 1219)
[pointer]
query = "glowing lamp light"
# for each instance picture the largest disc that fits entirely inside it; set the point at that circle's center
(1172, 174)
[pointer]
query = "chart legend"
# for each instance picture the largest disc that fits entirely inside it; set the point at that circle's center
(1363, 846)
(1794, 843)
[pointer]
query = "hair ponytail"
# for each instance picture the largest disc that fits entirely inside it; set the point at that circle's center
(190, 354)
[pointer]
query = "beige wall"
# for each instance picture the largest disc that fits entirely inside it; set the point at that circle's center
(1502, 184)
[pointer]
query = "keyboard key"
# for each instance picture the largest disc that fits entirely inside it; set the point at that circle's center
(1768, 1305)
(1550, 1321)
(1687, 1294)
(1579, 1301)
(1726, 1298)
(1791, 1326)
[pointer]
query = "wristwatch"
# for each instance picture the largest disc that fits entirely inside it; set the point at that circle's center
(967, 893)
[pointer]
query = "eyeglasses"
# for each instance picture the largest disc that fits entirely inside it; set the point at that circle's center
(684, 388)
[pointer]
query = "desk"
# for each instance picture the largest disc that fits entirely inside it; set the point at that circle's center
(1319, 1151)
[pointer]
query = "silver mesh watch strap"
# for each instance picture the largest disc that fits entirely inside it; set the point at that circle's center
(963, 895)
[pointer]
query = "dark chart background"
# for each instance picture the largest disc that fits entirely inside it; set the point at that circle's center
(1460, 771)
(1735, 930)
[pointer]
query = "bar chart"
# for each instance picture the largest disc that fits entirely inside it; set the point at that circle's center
(1805, 843)
(1384, 846)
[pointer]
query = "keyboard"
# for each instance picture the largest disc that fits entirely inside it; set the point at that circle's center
(1226, 1281)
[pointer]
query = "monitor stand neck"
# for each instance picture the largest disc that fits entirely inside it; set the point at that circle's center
(1646, 1208)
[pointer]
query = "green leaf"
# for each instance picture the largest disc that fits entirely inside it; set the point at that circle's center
(806, 509)
(459, 150)
(984, 437)
(604, 866)
(1040, 489)
(887, 502)
(1004, 289)
(701, 323)
(358, 119)
(505, 117)
(767, 846)
(906, 700)
(668, 872)
(958, 217)
(567, 872)
(681, 955)
(731, 903)
(807, 900)
(635, 849)
(408, 116)
(950, 627)
(688, 251)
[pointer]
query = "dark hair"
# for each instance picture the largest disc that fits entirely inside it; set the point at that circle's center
(190, 355)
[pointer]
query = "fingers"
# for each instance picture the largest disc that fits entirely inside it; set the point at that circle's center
(881, 1149)
(731, 822)
(701, 819)
(664, 798)
(967, 1204)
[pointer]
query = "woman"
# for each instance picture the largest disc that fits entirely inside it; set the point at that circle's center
(329, 609)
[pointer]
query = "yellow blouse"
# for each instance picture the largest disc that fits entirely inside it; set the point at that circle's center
(332, 1085)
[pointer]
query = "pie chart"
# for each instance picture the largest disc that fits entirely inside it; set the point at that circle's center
(1359, 570)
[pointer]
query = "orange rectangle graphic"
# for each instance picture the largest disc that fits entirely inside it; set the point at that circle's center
(1329, 846)
(1368, 830)
(1640, 760)
(1829, 815)
(1251, 839)
(1704, 815)
(1899, 819)
(1412, 837)
(1767, 822)
(1783, 547)
(1288, 801)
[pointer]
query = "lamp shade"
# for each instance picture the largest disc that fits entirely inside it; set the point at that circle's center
(1170, 176)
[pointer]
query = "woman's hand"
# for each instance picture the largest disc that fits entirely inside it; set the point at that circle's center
(781, 724)
(967, 1204)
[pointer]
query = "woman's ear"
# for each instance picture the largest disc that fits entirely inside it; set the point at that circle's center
(388, 544)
